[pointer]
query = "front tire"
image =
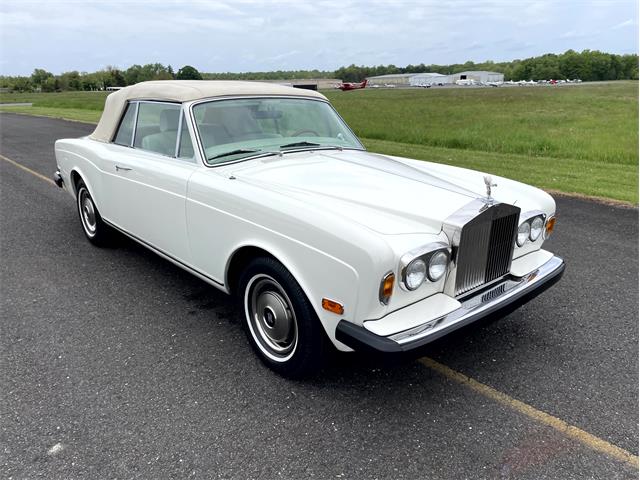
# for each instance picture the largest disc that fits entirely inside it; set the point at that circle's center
(94, 228)
(279, 321)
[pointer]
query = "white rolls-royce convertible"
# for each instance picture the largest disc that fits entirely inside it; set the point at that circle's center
(264, 192)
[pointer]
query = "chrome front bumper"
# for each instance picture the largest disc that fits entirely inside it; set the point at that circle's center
(498, 299)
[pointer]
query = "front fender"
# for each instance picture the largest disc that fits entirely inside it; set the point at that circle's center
(319, 275)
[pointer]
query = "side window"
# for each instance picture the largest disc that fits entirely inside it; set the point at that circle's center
(125, 130)
(157, 127)
(186, 147)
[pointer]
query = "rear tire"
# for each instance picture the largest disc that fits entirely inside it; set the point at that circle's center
(279, 321)
(94, 228)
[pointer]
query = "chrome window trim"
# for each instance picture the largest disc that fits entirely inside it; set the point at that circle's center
(135, 125)
(200, 147)
(186, 123)
(175, 153)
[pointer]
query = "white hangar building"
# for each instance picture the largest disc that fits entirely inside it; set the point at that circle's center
(409, 79)
(480, 76)
(422, 79)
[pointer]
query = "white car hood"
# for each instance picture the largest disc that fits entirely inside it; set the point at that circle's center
(385, 194)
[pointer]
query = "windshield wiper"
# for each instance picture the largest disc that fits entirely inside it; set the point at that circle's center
(232, 152)
(299, 144)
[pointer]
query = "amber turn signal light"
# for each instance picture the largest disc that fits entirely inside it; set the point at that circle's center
(386, 288)
(549, 226)
(332, 306)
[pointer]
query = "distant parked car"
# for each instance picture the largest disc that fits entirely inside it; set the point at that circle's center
(264, 192)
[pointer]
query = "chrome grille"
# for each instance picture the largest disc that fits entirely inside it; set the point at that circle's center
(486, 247)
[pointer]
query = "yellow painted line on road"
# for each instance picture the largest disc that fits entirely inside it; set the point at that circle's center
(27, 169)
(561, 426)
(539, 416)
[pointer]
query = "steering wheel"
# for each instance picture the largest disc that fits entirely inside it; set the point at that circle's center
(300, 132)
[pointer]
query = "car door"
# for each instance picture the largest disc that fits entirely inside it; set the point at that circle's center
(147, 179)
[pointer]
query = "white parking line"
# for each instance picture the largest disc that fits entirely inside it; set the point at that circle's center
(27, 169)
(539, 416)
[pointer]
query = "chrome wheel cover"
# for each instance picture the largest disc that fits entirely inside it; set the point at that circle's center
(87, 211)
(271, 318)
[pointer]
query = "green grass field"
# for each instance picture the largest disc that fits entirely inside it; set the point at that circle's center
(575, 139)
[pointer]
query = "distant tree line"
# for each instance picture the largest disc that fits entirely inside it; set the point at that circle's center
(588, 65)
(43, 81)
(277, 75)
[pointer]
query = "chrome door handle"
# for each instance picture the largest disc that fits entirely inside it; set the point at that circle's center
(124, 169)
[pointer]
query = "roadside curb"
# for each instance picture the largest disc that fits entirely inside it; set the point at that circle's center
(4, 110)
(591, 198)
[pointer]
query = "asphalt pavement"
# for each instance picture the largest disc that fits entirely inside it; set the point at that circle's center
(116, 364)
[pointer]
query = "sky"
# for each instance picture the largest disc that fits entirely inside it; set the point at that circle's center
(262, 35)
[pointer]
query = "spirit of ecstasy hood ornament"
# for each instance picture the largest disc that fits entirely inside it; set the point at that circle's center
(488, 181)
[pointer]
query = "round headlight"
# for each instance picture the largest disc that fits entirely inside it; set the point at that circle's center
(437, 266)
(537, 225)
(415, 274)
(523, 233)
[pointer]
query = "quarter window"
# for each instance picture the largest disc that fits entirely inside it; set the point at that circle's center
(125, 131)
(157, 127)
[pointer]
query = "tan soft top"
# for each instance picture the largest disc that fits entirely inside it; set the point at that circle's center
(183, 91)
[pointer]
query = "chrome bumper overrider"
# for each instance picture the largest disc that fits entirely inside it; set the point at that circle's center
(57, 178)
(506, 294)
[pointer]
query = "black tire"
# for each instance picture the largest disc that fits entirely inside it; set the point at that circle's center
(94, 228)
(292, 344)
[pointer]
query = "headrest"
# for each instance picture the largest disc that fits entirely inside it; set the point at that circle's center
(169, 120)
(237, 120)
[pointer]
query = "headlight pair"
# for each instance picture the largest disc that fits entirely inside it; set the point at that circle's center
(531, 229)
(425, 264)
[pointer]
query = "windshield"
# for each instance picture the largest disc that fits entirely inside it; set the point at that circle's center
(234, 129)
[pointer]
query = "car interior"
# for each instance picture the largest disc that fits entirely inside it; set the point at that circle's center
(220, 125)
(230, 124)
(164, 141)
(160, 137)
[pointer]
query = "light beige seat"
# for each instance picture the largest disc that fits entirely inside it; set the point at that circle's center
(164, 142)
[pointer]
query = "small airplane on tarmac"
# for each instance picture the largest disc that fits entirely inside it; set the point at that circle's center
(344, 86)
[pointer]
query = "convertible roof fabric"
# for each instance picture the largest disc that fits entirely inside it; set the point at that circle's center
(183, 91)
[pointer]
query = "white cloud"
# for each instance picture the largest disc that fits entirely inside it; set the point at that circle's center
(227, 35)
(626, 23)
